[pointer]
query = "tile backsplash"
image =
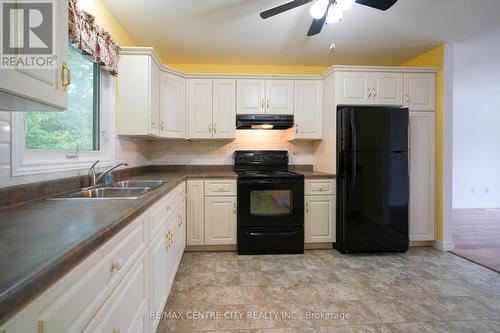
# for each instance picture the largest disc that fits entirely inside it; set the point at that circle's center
(221, 152)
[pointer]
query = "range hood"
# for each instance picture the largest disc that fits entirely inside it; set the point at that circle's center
(264, 121)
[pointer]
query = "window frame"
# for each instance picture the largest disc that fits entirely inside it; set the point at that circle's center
(38, 161)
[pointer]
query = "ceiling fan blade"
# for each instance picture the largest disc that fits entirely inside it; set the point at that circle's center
(378, 4)
(317, 25)
(283, 8)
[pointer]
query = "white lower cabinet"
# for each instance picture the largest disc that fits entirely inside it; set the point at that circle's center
(319, 218)
(117, 286)
(127, 308)
(422, 168)
(195, 213)
(220, 220)
(211, 212)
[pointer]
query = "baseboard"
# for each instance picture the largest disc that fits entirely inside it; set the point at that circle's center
(318, 246)
(202, 248)
(477, 205)
(444, 246)
(421, 243)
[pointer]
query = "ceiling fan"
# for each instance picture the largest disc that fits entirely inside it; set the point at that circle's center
(329, 11)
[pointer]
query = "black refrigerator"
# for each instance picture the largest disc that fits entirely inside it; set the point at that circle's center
(372, 179)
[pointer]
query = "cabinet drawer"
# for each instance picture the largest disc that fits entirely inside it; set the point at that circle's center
(70, 304)
(220, 187)
(319, 186)
(126, 309)
(162, 210)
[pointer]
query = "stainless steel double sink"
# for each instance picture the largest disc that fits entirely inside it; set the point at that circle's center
(129, 189)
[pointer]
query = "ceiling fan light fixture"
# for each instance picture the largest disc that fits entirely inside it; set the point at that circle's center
(319, 8)
(345, 4)
(334, 14)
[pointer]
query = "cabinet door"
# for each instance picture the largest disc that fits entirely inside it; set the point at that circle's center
(195, 216)
(354, 88)
(387, 88)
(319, 220)
(154, 99)
(220, 220)
(126, 310)
(422, 176)
(308, 109)
(420, 91)
(158, 276)
(200, 108)
(279, 96)
(172, 106)
(43, 86)
(251, 96)
(181, 223)
(224, 109)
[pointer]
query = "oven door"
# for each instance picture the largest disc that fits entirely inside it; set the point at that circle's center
(270, 202)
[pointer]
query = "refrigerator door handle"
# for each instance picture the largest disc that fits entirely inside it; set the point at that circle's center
(353, 161)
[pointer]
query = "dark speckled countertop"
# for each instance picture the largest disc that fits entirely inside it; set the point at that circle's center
(42, 240)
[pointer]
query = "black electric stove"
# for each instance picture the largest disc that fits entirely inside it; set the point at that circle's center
(270, 204)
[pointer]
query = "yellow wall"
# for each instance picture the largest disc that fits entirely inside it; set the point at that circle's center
(106, 20)
(435, 58)
(249, 69)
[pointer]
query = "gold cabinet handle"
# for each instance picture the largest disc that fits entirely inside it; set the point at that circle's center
(117, 330)
(268, 104)
(41, 326)
(234, 208)
(307, 206)
(321, 188)
(209, 128)
(180, 220)
(153, 123)
(374, 93)
(262, 104)
(408, 99)
(65, 76)
(369, 93)
(296, 128)
(215, 128)
(115, 266)
(167, 241)
(162, 126)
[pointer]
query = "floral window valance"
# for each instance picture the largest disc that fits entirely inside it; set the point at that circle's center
(91, 39)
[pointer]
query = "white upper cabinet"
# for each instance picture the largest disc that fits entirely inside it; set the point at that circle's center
(211, 109)
(251, 96)
(354, 88)
(224, 109)
(420, 91)
(200, 108)
(387, 88)
(422, 176)
(279, 96)
(265, 96)
(154, 98)
(308, 106)
(173, 111)
(138, 96)
(40, 89)
(367, 88)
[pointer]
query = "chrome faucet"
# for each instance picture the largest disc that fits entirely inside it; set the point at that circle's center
(94, 179)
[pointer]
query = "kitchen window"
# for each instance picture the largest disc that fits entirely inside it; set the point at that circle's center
(72, 139)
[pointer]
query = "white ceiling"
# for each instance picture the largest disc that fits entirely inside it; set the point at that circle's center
(231, 31)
